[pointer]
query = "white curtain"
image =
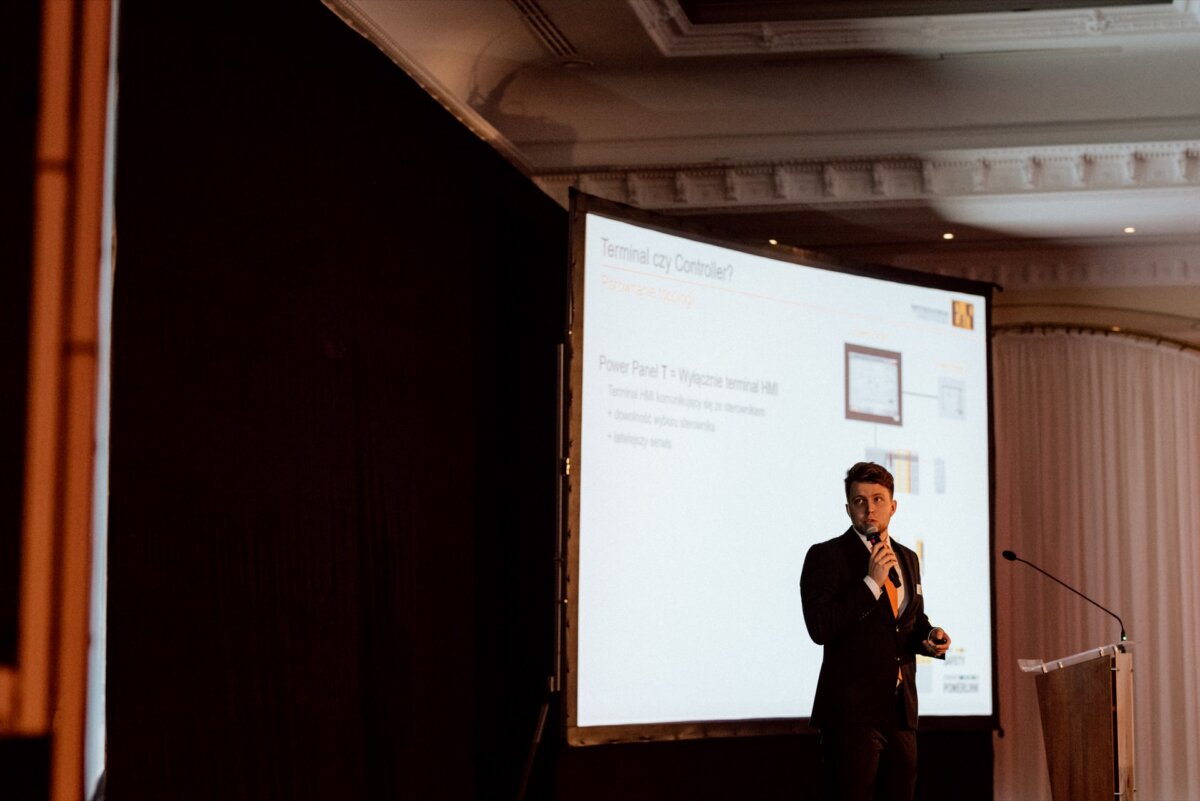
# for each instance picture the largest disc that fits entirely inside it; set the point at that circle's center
(1098, 482)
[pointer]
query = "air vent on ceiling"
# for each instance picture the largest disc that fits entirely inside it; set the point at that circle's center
(540, 23)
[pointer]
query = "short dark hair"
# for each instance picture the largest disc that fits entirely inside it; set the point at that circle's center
(869, 473)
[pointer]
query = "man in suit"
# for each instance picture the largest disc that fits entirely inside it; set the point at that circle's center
(861, 594)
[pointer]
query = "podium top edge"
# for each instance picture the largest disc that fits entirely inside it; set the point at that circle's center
(1040, 666)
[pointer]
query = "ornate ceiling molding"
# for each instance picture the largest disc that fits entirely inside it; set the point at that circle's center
(1025, 268)
(931, 36)
(1111, 181)
(890, 179)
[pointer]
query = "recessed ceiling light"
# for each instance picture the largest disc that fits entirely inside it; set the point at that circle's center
(1116, 328)
(1129, 229)
(773, 241)
(947, 235)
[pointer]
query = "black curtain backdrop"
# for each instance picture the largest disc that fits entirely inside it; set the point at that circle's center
(332, 476)
(332, 470)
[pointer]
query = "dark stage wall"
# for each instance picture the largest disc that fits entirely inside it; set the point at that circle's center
(332, 474)
(24, 761)
(335, 322)
(19, 74)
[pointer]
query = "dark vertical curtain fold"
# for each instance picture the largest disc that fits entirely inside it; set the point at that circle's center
(331, 513)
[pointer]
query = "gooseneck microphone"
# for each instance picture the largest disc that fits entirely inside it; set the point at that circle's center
(1012, 557)
(873, 538)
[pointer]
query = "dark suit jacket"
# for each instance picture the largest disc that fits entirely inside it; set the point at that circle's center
(863, 642)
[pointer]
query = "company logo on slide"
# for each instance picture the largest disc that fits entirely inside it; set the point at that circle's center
(964, 314)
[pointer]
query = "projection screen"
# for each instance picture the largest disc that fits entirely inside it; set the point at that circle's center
(718, 394)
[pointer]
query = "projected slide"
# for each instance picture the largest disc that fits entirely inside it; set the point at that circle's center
(723, 397)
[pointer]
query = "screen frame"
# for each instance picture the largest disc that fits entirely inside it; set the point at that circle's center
(583, 204)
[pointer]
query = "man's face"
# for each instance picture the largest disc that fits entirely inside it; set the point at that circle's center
(870, 507)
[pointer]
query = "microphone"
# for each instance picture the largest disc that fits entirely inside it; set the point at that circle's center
(1012, 557)
(873, 538)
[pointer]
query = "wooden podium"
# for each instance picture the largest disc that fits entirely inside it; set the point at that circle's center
(1086, 702)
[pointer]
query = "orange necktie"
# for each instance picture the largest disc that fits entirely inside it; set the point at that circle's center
(891, 594)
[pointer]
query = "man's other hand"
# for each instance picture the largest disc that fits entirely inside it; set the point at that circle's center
(938, 643)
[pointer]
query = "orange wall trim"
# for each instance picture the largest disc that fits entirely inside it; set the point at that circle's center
(47, 693)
